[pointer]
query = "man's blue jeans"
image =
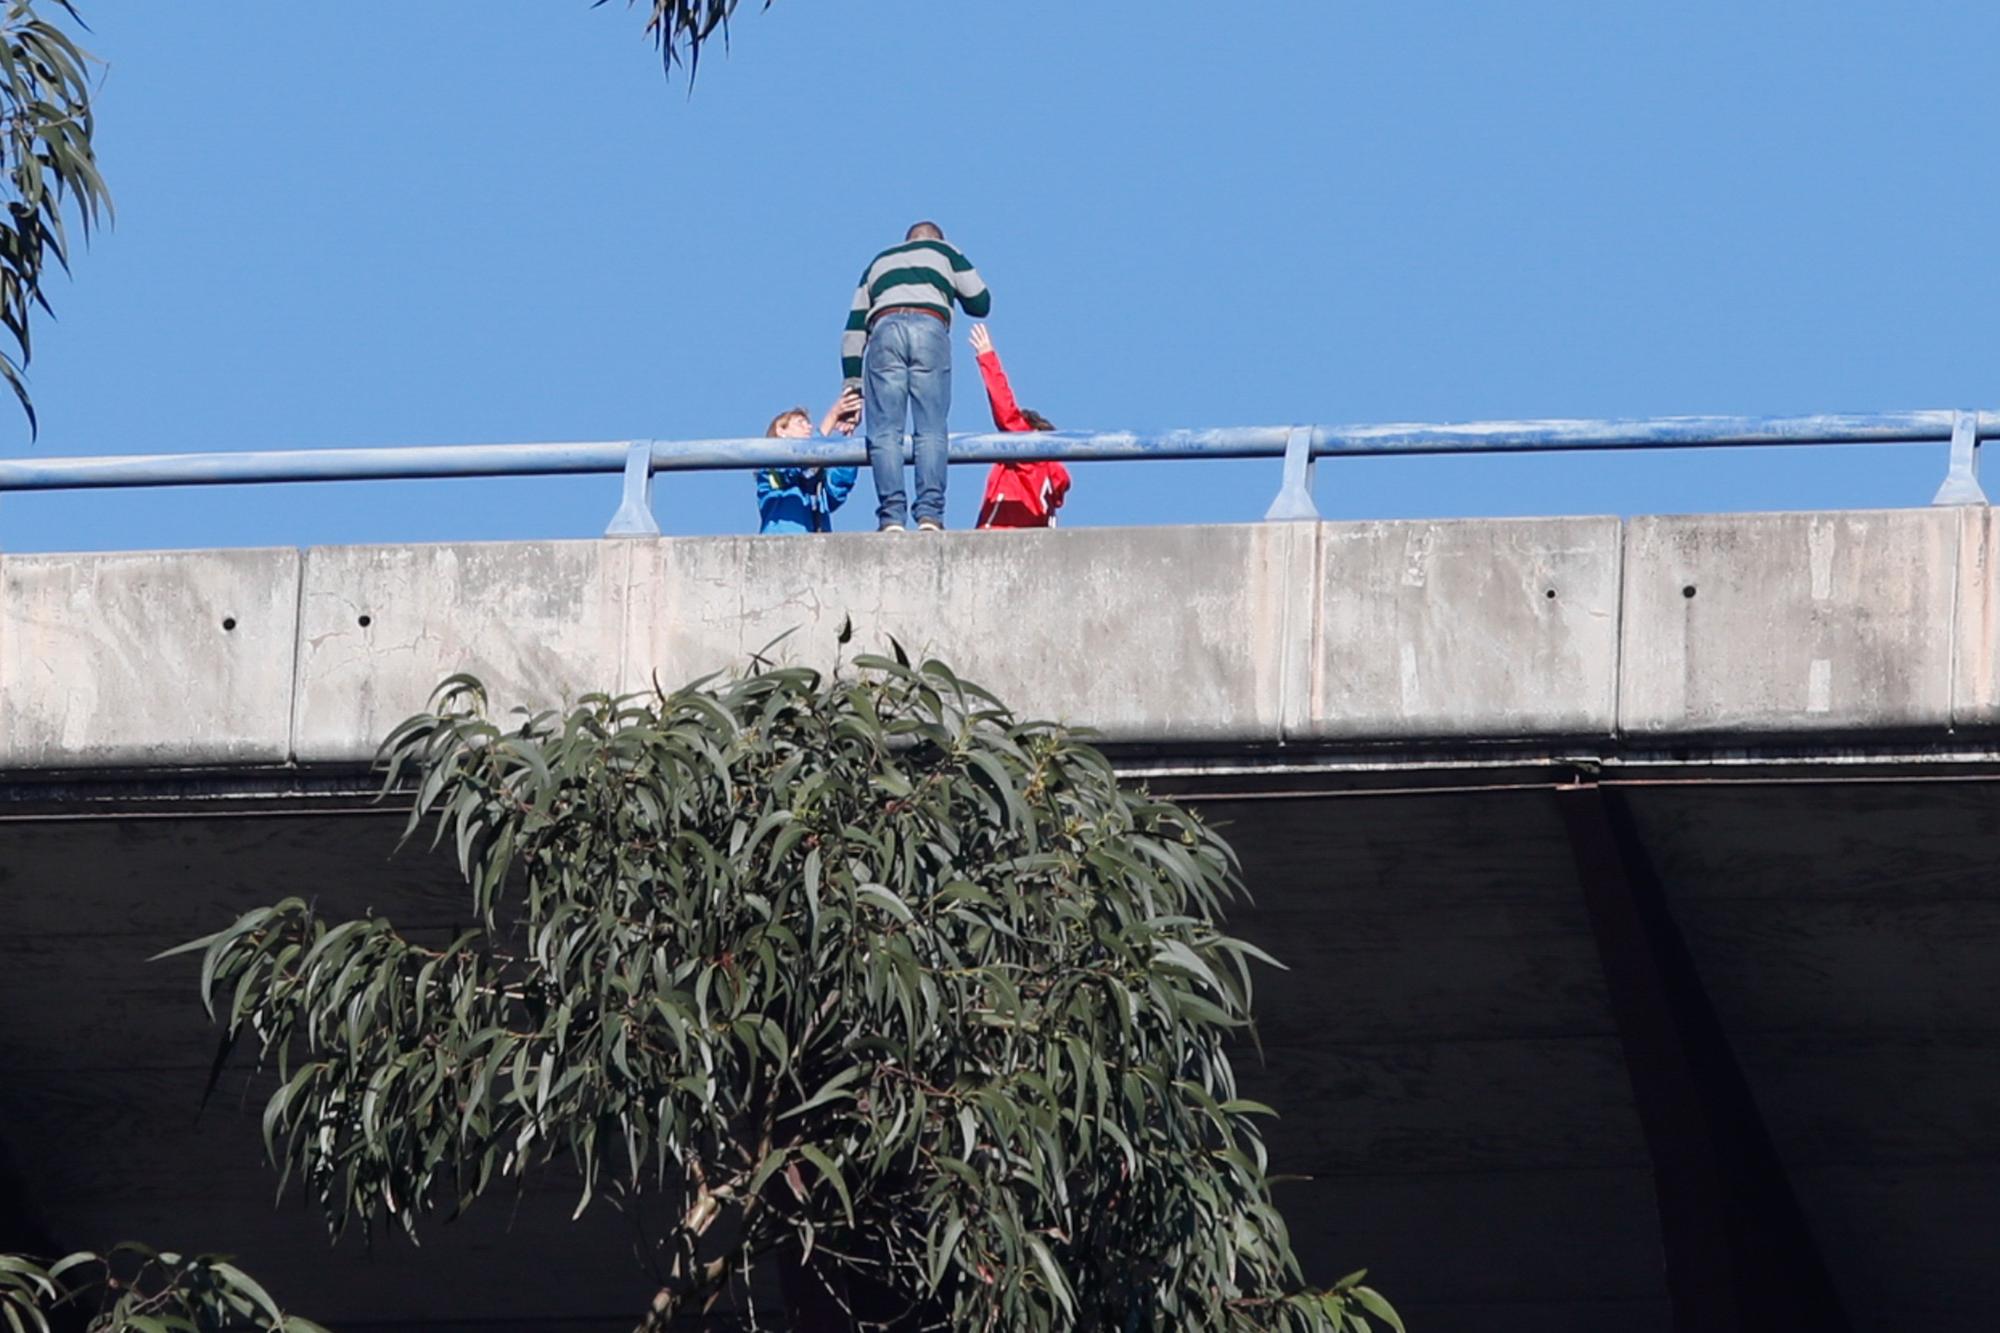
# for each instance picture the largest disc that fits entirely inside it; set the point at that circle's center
(906, 373)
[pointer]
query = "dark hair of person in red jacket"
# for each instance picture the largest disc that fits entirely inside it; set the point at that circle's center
(1018, 495)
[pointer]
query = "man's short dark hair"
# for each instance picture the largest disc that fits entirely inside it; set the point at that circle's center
(924, 231)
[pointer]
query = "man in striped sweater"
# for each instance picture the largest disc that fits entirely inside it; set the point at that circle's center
(897, 348)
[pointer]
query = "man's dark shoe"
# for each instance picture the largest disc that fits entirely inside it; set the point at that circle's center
(929, 525)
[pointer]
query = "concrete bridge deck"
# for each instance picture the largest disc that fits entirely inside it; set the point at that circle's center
(1447, 751)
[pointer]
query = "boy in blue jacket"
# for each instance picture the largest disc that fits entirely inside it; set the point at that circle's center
(802, 499)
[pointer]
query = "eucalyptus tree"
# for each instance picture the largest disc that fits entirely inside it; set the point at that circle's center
(46, 133)
(876, 984)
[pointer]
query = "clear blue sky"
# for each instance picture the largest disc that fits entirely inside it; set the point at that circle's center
(385, 222)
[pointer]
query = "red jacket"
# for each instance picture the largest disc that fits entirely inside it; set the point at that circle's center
(1018, 495)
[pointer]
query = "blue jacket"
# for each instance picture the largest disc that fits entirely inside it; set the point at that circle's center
(801, 499)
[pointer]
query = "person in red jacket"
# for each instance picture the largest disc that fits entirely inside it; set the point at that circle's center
(1018, 495)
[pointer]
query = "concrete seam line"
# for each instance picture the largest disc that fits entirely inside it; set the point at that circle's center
(1622, 601)
(623, 684)
(1957, 614)
(1298, 639)
(1316, 625)
(293, 700)
(1283, 647)
(1552, 783)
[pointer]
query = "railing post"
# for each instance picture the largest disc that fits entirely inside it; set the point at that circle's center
(1961, 482)
(1295, 496)
(635, 511)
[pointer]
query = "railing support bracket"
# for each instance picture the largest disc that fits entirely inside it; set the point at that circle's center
(635, 511)
(1961, 483)
(1295, 495)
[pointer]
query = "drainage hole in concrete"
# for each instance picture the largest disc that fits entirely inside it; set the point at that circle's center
(1688, 591)
(229, 622)
(1550, 594)
(364, 622)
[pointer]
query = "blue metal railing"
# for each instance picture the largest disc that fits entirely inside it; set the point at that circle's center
(1298, 446)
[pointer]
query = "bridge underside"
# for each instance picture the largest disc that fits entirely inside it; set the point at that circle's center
(1455, 1074)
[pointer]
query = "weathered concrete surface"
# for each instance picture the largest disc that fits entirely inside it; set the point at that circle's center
(1139, 633)
(538, 622)
(1976, 625)
(1467, 629)
(147, 659)
(1576, 635)
(1772, 623)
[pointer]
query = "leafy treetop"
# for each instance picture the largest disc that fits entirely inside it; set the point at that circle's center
(887, 987)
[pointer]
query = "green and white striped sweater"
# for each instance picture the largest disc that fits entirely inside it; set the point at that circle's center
(927, 274)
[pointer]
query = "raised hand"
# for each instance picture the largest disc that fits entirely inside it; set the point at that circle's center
(982, 341)
(843, 416)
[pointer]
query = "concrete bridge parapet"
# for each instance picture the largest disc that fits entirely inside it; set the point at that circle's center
(1585, 633)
